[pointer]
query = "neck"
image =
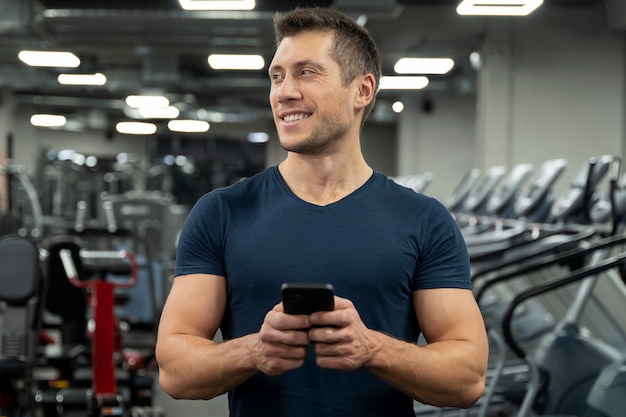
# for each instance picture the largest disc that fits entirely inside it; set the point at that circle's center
(323, 180)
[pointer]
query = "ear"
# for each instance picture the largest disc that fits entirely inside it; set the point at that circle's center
(366, 91)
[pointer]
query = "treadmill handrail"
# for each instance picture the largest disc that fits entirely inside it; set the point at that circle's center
(609, 263)
(549, 260)
(575, 238)
(533, 233)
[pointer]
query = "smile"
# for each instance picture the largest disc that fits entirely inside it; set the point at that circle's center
(294, 117)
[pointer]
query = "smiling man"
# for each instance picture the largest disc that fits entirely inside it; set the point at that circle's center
(396, 259)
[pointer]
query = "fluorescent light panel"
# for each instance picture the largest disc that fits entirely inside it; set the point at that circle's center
(136, 128)
(188, 126)
(169, 112)
(82, 79)
(497, 7)
(423, 65)
(57, 59)
(48, 120)
(217, 4)
(236, 62)
(403, 82)
(137, 101)
(258, 137)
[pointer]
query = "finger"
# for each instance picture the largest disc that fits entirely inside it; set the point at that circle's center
(274, 336)
(283, 352)
(342, 303)
(339, 356)
(274, 358)
(336, 318)
(278, 365)
(281, 321)
(318, 334)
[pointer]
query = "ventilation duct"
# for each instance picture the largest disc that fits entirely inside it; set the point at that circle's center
(160, 70)
(378, 9)
(14, 16)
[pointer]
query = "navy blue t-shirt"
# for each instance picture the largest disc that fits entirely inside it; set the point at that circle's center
(375, 246)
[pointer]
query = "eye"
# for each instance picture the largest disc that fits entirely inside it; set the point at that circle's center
(276, 77)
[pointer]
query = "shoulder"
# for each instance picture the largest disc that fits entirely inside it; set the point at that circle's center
(245, 189)
(397, 193)
(213, 210)
(415, 211)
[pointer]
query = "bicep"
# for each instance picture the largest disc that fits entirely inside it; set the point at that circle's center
(449, 314)
(195, 306)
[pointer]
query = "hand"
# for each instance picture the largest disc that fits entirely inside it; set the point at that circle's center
(282, 342)
(342, 341)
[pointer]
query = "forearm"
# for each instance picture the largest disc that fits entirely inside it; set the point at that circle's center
(447, 373)
(192, 367)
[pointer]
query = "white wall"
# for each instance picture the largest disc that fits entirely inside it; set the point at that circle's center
(551, 90)
(441, 141)
(551, 86)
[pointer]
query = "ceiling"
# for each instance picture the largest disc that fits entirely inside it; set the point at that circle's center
(153, 46)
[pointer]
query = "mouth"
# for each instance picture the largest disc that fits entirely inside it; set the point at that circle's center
(295, 117)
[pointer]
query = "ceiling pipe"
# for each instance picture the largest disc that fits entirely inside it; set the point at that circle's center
(143, 15)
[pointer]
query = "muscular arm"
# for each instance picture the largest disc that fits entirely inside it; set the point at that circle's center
(193, 366)
(449, 371)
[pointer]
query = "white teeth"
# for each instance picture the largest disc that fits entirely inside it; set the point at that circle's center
(294, 117)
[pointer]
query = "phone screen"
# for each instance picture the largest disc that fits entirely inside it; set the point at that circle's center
(307, 298)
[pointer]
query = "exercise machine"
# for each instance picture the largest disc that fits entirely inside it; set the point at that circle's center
(24, 216)
(117, 386)
(456, 200)
(566, 363)
(21, 285)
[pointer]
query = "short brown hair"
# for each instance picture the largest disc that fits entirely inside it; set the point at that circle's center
(353, 49)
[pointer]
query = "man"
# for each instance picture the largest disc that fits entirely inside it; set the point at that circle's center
(395, 258)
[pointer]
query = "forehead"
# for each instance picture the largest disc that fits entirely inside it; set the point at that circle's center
(306, 46)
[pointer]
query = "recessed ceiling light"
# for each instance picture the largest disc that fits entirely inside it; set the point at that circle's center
(497, 7)
(137, 101)
(48, 120)
(82, 79)
(397, 106)
(403, 82)
(49, 59)
(217, 4)
(188, 126)
(136, 128)
(423, 65)
(236, 62)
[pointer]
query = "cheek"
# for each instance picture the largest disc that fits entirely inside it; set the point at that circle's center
(272, 98)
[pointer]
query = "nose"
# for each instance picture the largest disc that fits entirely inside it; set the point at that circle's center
(288, 89)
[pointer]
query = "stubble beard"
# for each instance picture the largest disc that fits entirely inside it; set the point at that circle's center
(322, 139)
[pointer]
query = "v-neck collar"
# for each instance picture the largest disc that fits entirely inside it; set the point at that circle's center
(283, 184)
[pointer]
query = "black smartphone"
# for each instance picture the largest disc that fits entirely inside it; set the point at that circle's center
(307, 298)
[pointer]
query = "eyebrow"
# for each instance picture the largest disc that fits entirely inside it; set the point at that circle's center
(299, 64)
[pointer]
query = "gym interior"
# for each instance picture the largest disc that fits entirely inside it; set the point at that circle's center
(522, 137)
